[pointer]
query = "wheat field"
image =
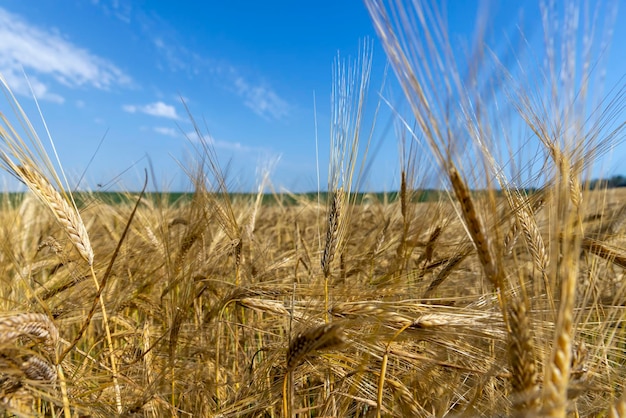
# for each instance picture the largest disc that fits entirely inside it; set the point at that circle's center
(502, 295)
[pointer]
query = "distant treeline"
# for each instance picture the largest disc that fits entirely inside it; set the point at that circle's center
(84, 199)
(611, 183)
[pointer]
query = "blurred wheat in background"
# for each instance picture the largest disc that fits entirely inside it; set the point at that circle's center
(502, 295)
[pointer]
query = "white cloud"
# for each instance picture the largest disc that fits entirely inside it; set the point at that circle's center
(261, 99)
(43, 53)
(158, 109)
(175, 56)
(167, 131)
(220, 144)
(116, 8)
(19, 84)
(172, 55)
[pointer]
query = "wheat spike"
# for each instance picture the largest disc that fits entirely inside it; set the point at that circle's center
(429, 250)
(474, 226)
(332, 232)
(66, 215)
(558, 369)
(534, 240)
(452, 263)
(31, 324)
(264, 305)
(36, 368)
(522, 361)
(403, 196)
(406, 400)
(598, 248)
(305, 343)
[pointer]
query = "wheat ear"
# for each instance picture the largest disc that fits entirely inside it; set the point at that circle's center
(474, 227)
(535, 244)
(31, 324)
(65, 214)
(598, 248)
(323, 337)
(522, 361)
(332, 242)
(332, 232)
(558, 370)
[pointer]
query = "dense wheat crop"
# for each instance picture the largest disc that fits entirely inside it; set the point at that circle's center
(488, 299)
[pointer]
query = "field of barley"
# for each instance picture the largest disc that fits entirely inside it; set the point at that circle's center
(501, 294)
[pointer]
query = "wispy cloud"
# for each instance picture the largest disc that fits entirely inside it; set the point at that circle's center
(121, 10)
(217, 143)
(261, 99)
(43, 53)
(158, 109)
(167, 131)
(173, 56)
(221, 144)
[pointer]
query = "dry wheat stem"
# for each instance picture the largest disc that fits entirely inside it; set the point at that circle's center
(383, 371)
(67, 412)
(618, 409)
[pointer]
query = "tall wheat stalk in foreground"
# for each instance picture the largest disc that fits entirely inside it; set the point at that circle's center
(453, 109)
(28, 165)
(348, 99)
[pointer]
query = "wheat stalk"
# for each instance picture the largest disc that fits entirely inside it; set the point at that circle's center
(77, 232)
(75, 228)
(618, 409)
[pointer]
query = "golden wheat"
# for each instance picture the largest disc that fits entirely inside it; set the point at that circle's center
(67, 216)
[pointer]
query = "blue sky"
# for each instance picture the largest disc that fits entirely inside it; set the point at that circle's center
(247, 70)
